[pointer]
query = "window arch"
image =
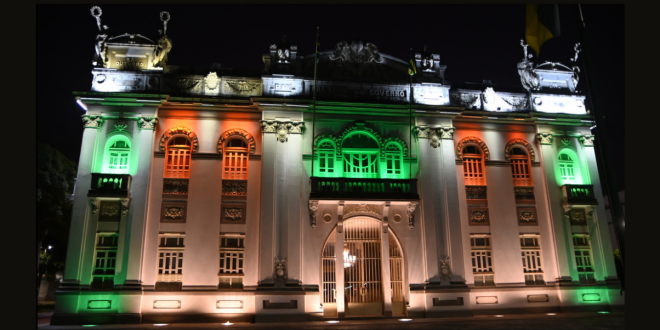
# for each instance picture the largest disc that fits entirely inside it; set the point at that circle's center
(393, 160)
(235, 162)
(178, 152)
(326, 150)
(360, 153)
(520, 166)
(473, 166)
(569, 168)
(117, 155)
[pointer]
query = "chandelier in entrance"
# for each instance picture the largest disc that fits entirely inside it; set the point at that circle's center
(349, 260)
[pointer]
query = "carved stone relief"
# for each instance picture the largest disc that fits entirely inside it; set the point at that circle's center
(234, 188)
(587, 140)
(175, 186)
(578, 216)
(185, 85)
(431, 133)
(478, 216)
(179, 130)
(476, 192)
(125, 204)
(279, 271)
(445, 269)
(282, 128)
(242, 87)
(94, 204)
(516, 102)
(173, 212)
(411, 214)
(148, 122)
(527, 216)
(313, 207)
(356, 52)
(110, 211)
(466, 100)
(545, 138)
(92, 121)
(367, 209)
(528, 78)
(212, 81)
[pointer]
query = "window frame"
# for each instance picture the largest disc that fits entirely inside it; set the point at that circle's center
(484, 275)
(175, 266)
(178, 158)
(474, 169)
(108, 150)
(236, 260)
(107, 273)
(532, 259)
(521, 169)
(235, 161)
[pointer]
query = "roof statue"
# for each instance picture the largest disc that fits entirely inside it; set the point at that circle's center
(283, 51)
(356, 52)
(99, 47)
(164, 43)
(576, 69)
(427, 60)
(528, 77)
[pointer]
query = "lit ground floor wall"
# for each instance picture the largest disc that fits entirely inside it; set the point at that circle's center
(280, 306)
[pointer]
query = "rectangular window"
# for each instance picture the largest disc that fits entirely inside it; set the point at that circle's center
(520, 172)
(170, 258)
(105, 258)
(473, 172)
(393, 165)
(482, 261)
(326, 163)
(178, 163)
(583, 259)
(567, 172)
(236, 165)
(531, 259)
(232, 251)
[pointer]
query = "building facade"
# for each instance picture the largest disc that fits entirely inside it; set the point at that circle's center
(217, 195)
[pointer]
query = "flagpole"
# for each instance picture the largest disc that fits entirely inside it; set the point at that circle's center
(316, 62)
(603, 155)
(410, 121)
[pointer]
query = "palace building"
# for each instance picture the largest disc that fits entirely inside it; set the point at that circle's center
(347, 188)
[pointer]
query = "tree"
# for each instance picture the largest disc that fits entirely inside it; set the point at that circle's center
(56, 176)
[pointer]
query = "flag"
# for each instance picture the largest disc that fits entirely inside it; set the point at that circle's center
(318, 44)
(412, 69)
(542, 24)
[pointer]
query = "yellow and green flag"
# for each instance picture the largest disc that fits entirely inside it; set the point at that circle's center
(412, 69)
(542, 24)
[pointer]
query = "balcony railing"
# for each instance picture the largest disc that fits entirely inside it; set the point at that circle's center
(579, 194)
(110, 185)
(364, 188)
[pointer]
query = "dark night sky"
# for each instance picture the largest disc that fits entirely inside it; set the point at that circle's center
(475, 42)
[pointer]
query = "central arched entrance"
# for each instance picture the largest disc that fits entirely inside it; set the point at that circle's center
(363, 266)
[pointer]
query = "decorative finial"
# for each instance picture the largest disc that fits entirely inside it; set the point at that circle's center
(96, 13)
(163, 15)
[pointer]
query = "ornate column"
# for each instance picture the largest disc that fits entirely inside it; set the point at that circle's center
(281, 192)
(601, 245)
(137, 213)
(83, 231)
(560, 226)
(385, 253)
(431, 206)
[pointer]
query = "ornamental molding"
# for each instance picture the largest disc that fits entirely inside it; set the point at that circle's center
(148, 122)
(125, 204)
(360, 127)
(356, 52)
(519, 142)
(175, 186)
(431, 133)
(313, 207)
(445, 269)
(516, 102)
(472, 140)
(234, 188)
(545, 138)
(186, 85)
(363, 209)
(233, 214)
(237, 132)
(466, 100)
(282, 128)
(95, 204)
(446, 133)
(92, 121)
(243, 86)
(179, 130)
(587, 140)
(411, 214)
(212, 81)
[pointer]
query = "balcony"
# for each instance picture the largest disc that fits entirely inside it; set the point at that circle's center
(356, 188)
(578, 194)
(110, 185)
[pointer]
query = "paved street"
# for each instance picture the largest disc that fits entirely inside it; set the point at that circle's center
(523, 321)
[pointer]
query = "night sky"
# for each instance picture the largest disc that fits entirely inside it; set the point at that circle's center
(475, 42)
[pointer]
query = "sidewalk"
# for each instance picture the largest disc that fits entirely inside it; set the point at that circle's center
(615, 320)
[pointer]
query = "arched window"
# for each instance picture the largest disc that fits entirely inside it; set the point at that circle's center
(473, 167)
(178, 153)
(117, 156)
(235, 160)
(360, 152)
(520, 167)
(569, 168)
(326, 157)
(393, 161)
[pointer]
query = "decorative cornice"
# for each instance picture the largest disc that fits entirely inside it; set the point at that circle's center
(148, 122)
(431, 133)
(472, 140)
(237, 132)
(446, 133)
(92, 121)
(179, 130)
(368, 209)
(587, 140)
(545, 138)
(282, 128)
(520, 142)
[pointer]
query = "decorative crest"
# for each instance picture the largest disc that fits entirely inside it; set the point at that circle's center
(356, 52)
(212, 81)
